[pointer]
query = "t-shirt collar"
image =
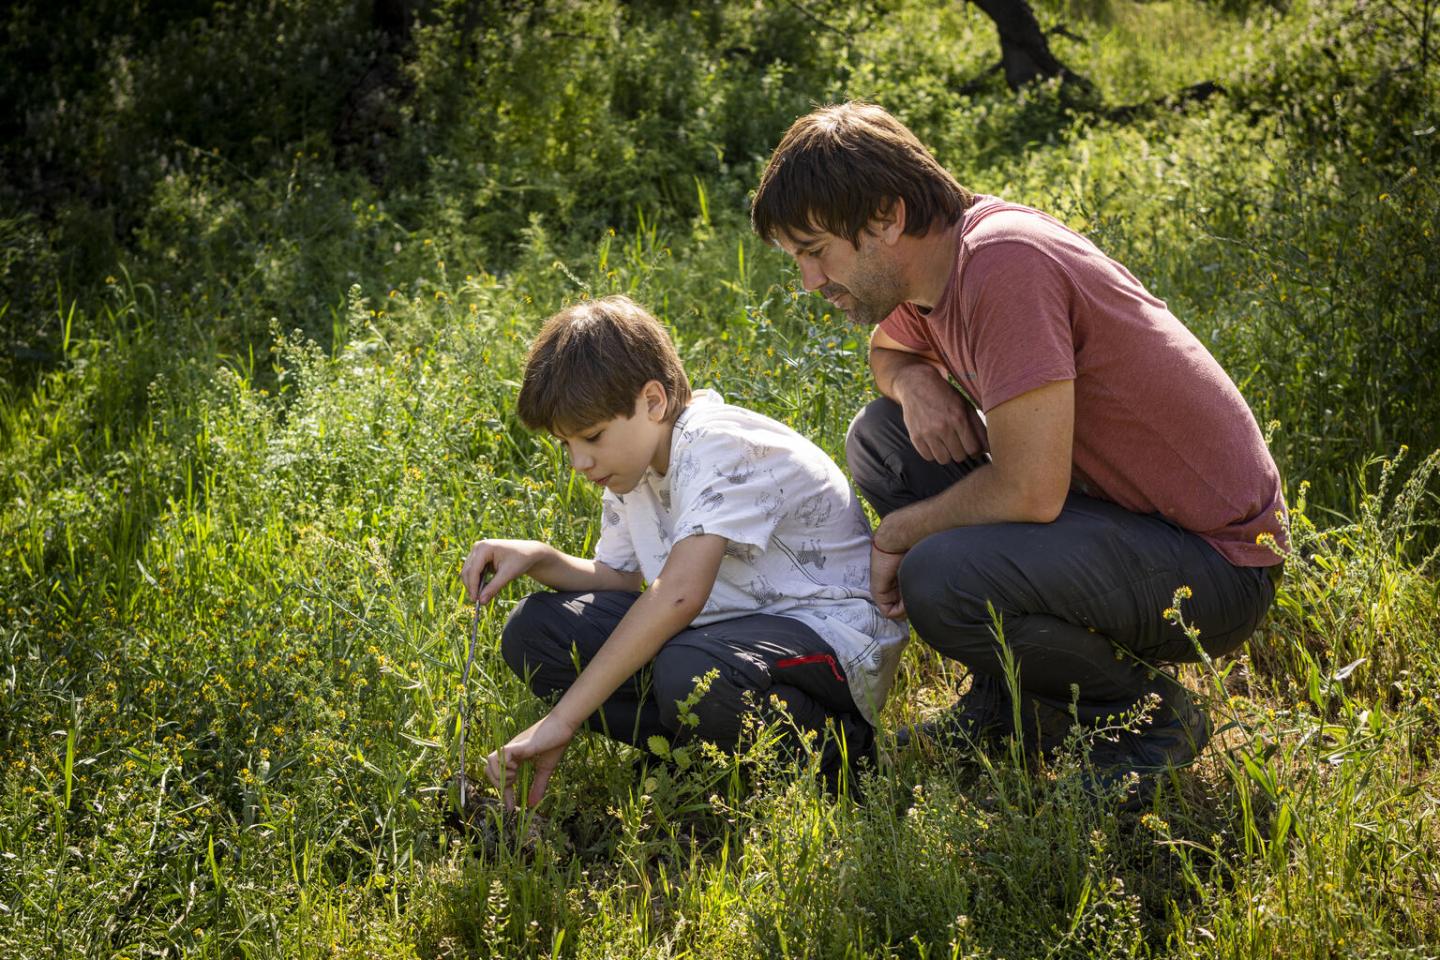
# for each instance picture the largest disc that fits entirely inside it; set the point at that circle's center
(700, 398)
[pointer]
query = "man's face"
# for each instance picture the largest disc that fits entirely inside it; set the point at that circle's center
(862, 281)
(616, 452)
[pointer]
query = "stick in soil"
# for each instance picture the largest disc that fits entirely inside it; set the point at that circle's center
(460, 776)
(485, 816)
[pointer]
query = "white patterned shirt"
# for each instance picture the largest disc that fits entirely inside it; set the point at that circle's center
(799, 541)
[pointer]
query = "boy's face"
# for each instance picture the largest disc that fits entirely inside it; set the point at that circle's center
(615, 453)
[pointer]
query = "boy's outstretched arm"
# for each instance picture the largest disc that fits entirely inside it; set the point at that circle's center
(674, 599)
(542, 562)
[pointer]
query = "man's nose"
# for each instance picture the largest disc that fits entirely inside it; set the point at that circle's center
(811, 276)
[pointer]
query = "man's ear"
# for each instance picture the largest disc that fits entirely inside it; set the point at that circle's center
(889, 221)
(657, 401)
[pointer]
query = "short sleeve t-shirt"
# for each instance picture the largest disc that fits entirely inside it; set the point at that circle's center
(1159, 426)
(799, 541)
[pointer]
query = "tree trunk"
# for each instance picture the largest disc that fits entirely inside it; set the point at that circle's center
(1024, 52)
(370, 115)
(392, 19)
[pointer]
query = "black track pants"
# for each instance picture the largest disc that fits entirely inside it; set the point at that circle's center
(1080, 599)
(550, 637)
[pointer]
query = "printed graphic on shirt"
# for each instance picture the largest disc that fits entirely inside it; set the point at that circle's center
(798, 541)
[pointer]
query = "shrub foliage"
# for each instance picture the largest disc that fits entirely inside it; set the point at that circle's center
(267, 272)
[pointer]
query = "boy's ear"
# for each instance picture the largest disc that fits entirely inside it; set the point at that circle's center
(657, 401)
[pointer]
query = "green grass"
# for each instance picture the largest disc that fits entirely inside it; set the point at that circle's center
(232, 632)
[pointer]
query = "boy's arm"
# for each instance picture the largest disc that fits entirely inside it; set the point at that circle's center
(674, 599)
(542, 562)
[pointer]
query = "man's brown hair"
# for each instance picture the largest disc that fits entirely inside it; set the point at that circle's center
(840, 165)
(591, 360)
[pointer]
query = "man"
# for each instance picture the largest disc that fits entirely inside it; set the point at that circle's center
(1053, 456)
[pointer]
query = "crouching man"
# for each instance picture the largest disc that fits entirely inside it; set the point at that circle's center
(1051, 444)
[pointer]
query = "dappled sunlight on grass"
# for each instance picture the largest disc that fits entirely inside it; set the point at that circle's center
(232, 631)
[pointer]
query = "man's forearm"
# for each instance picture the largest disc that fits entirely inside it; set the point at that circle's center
(984, 495)
(895, 370)
(1026, 479)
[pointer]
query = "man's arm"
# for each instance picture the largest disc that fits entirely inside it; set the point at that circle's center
(674, 599)
(1026, 480)
(542, 562)
(941, 423)
(890, 358)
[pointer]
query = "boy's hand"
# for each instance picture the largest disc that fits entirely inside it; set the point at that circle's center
(885, 583)
(541, 745)
(508, 558)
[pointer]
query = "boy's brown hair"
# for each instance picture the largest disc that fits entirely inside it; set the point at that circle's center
(840, 165)
(591, 360)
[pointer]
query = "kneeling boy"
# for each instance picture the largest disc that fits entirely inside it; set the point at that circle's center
(755, 549)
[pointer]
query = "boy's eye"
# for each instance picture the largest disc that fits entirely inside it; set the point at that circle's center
(593, 437)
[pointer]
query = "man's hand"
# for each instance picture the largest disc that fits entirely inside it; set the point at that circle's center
(542, 745)
(940, 421)
(508, 558)
(885, 583)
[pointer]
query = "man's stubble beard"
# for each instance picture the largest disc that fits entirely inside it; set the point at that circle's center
(876, 292)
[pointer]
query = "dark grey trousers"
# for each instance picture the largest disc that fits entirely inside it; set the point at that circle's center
(550, 637)
(1081, 599)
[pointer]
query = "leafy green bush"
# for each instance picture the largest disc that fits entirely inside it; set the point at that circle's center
(231, 634)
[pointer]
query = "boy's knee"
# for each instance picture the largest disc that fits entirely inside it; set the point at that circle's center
(675, 675)
(528, 627)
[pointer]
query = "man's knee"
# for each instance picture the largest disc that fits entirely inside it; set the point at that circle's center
(947, 596)
(871, 433)
(944, 572)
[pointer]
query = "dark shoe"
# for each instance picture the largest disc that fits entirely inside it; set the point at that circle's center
(1131, 761)
(981, 717)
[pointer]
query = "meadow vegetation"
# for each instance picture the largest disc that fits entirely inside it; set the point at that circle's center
(257, 401)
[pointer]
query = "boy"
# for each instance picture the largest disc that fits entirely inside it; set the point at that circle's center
(755, 549)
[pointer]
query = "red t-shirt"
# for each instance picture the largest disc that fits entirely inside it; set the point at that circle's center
(1159, 426)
